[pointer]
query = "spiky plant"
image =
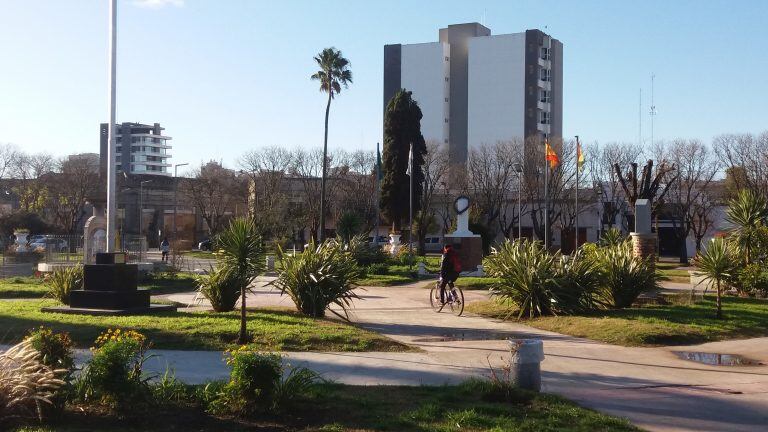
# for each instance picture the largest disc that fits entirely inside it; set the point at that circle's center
(579, 282)
(62, 281)
(612, 237)
(719, 263)
(240, 252)
(527, 276)
(748, 212)
(320, 276)
(220, 287)
(625, 276)
(26, 384)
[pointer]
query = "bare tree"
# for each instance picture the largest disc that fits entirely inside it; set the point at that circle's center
(435, 170)
(69, 189)
(214, 190)
(268, 199)
(30, 189)
(306, 169)
(491, 172)
(601, 161)
(353, 187)
(702, 217)
(745, 158)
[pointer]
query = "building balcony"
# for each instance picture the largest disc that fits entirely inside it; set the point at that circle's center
(546, 85)
(544, 106)
(545, 128)
(547, 64)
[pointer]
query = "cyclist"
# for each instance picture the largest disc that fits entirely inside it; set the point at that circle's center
(450, 267)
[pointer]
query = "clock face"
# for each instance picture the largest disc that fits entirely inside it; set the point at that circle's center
(461, 204)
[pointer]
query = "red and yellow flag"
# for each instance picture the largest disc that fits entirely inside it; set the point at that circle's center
(551, 156)
(579, 155)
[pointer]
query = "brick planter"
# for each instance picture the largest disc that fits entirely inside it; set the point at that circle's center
(644, 246)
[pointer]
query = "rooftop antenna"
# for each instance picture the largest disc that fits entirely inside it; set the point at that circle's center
(640, 120)
(483, 18)
(653, 107)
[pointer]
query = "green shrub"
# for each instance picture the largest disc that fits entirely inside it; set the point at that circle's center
(578, 287)
(318, 277)
(221, 288)
(378, 269)
(404, 257)
(752, 280)
(348, 226)
(63, 280)
(365, 253)
(168, 391)
(612, 237)
(624, 276)
(527, 276)
(258, 383)
(55, 348)
(114, 374)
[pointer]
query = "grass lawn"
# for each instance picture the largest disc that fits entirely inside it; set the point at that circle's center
(271, 329)
(32, 287)
(22, 287)
(654, 325)
(670, 271)
(473, 406)
(199, 254)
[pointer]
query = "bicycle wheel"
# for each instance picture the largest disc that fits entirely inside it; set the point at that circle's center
(457, 302)
(434, 298)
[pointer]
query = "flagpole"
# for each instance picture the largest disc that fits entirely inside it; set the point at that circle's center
(410, 204)
(576, 199)
(546, 198)
(111, 147)
(378, 194)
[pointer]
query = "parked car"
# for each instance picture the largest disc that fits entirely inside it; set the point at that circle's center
(47, 243)
(204, 245)
(383, 240)
(35, 238)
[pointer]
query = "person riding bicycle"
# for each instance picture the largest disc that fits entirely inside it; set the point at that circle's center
(450, 267)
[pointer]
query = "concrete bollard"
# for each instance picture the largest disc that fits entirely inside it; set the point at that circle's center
(525, 365)
(421, 269)
(270, 263)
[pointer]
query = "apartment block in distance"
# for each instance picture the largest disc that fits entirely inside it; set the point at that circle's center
(475, 88)
(141, 149)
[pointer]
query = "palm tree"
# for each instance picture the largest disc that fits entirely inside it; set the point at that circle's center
(718, 262)
(240, 251)
(748, 212)
(334, 72)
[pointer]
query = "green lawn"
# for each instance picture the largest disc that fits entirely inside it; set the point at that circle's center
(199, 254)
(472, 406)
(670, 271)
(271, 329)
(654, 325)
(22, 287)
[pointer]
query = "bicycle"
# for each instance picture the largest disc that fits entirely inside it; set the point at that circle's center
(454, 298)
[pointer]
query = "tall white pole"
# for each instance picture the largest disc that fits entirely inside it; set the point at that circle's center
(576, 199)
(546, 203)
(111, 180)
(410, 201)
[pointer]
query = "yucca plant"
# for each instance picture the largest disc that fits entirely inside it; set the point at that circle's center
(220, 287)
(320, 276)
(612, 237)
(26, 384)
(62, 281)
(748, 212)
(719, 263)
(625, 276)
(527, 276)
(240, 251)
(364, 253)
(578, 283)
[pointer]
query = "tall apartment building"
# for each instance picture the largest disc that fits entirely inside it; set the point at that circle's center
(475, 88)
(141, 149)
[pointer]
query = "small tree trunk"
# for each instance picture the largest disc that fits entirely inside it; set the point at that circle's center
(321, 234)
(719, 304)
(243, 337)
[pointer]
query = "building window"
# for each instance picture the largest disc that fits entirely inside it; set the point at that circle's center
(544, 96)
(446, 120)
(544, 117)
(446, 79)
(119, 167)
(545, 75)
(544, 53)
(445, 141)
(446, 99)
(447, 58)
(119, 149)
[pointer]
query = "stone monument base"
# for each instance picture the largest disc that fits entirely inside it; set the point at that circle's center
(644, 246)
(469, 250)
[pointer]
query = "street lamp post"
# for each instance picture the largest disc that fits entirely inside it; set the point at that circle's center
(599, 195)
(518, 167)
(176, 195)
(141, 207)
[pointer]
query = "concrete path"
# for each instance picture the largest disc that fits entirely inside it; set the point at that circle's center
(651, 386)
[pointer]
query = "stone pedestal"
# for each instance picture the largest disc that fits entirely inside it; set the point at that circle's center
(110, 288)
(468, 248)
(21, 241)
(644, 246)
(394, 243)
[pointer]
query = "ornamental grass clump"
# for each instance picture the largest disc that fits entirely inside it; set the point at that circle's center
(527, 276)
(719, 262)
(320, 276)
(578, 287)
(62, 281)
(221, 287)
(624, 276)
(27, 385)
(113, 377)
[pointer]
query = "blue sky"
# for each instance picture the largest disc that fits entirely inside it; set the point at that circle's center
(227, 76)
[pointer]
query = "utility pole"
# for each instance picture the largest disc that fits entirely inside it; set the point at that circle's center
(176, 195)
(111, 145)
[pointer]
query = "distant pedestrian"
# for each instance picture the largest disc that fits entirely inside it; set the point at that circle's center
(165, 248)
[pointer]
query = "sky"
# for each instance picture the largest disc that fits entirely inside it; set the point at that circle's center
(228, 76)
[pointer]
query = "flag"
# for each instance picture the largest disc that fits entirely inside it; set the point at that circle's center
(379, 173)
(579, 155)
(551, 156)
(410, 160)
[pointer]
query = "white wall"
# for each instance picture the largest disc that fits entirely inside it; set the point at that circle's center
(496, 107)
(423, 72)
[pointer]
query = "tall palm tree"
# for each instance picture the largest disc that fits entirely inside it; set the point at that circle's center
(334, 72)
(240, 250)
(748, 211)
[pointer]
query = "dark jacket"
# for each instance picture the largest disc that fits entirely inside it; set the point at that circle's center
(446, 265)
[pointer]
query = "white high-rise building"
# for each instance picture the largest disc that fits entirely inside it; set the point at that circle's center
(475, 88)
(141, 149)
